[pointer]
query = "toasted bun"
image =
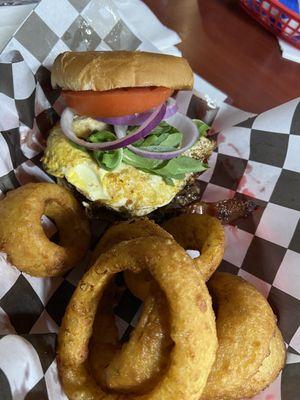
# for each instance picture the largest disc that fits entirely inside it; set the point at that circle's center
(106, 70)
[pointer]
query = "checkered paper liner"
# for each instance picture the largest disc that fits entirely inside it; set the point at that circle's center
(257, 156)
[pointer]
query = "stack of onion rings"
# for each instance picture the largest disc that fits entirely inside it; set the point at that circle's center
(192, 325)
(251, 350)
(22, 236)
(208, 238)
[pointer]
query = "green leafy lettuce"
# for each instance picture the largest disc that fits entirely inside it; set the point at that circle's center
(163, 138)
(108, 160)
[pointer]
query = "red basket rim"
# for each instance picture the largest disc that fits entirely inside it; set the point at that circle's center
(285, 9)
(256, 15)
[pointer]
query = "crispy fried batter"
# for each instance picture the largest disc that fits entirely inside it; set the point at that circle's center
(23, 238)
(123, 368)
(199, 232)
(245, 327)
(140, 283)
(131, 366)
(191, 321)
(268, 370)
(251, 350)
(127, 230)
(104, 340)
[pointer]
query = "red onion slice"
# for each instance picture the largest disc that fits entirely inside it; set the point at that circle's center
(139, 119)
(179, 121)
(149, 124)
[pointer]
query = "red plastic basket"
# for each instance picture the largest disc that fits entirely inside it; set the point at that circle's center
(276, 17)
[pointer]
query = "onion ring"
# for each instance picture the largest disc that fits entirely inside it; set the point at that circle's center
(269, 369)
(127, 367)
(127, 230)
(191, 315)
(23, 239)
(245, 326)
(208, 237)
(104, 327)
(203, 233)
(139, 284)
(193, 232)
(124, 368)
(251, 350)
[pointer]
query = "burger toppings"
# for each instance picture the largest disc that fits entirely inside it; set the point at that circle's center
(154, 147)
(127, 188)
(150, 123)
(139, 118)
(117, 102)
(188, 135)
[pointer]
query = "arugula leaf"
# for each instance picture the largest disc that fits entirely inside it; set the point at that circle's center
(109, 160)
(154, 140)
(202, 127)
(160, 143)
(139, 162)
(138, 143)
(175, 168)
(158, 149)
(161, 133)
(180, 166)
(169, 181)
(164, 127)
(173, 140)
(101, 136)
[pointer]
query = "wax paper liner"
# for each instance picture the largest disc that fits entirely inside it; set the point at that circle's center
(257, 156)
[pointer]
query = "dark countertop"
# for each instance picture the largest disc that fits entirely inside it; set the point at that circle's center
(231, 51)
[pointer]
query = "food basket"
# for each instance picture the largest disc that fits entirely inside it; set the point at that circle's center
(256, 158)
(276, 17)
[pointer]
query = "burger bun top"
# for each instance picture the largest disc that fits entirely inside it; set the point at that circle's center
(106, 70)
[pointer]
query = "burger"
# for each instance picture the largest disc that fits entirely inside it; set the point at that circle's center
(122, 142)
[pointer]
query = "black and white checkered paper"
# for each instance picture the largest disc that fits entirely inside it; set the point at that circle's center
(257, 156)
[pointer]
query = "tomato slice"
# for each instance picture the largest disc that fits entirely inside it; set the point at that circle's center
(116, 102)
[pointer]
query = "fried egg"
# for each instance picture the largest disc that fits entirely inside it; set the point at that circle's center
(125, 189)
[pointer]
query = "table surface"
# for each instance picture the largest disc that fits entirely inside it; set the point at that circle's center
(231, 51)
